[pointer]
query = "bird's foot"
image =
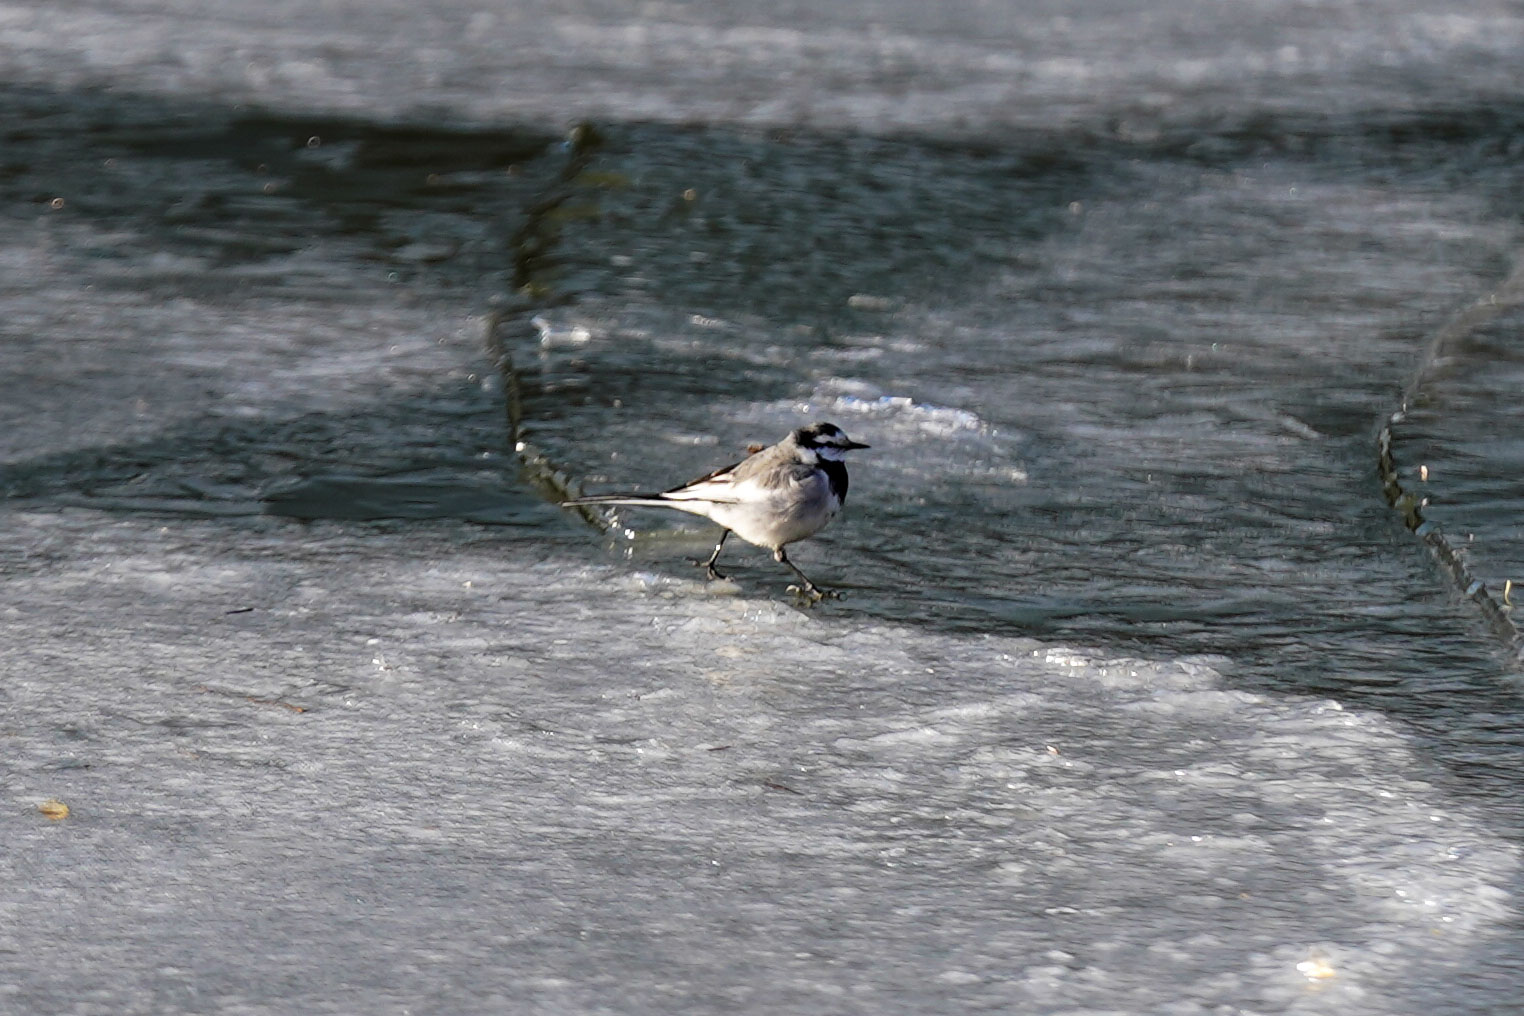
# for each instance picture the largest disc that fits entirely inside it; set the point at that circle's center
(812, 594)
(709, 570)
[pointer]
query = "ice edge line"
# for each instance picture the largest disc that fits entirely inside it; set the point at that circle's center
(511, 322)
(1409, 504)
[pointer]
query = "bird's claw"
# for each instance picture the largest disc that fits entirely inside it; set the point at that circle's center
(812, 594)
(709, 570)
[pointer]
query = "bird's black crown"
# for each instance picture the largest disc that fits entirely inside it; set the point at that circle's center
(825, 435)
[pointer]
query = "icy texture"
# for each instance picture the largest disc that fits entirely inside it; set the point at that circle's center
(1139, 701)
(1115, 401)
(369, 768)
(882, 64)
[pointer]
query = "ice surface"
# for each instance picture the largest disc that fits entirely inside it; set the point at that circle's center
(882, 64)
(305, 774)
(1139, 700)
(1159, 376)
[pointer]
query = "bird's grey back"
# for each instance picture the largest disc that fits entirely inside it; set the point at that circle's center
(774, 466)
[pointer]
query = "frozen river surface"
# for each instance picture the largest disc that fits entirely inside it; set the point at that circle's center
(1142, 697)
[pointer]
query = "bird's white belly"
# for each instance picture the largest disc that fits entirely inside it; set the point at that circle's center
(774, 518)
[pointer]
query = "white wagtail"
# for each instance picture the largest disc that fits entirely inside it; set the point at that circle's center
(777, 496)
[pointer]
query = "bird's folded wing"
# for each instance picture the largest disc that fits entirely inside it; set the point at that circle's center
(718, 486)
(725, 474)
(718, 489)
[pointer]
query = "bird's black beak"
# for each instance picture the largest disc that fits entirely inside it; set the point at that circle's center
(850, 445)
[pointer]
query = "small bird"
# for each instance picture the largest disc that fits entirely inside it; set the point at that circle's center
(779, 495)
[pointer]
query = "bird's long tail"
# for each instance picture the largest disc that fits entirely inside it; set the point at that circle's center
(690, 504)
(649, 500)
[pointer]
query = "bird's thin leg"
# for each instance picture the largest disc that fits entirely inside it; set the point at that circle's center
(708, 565)
(809, 589)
